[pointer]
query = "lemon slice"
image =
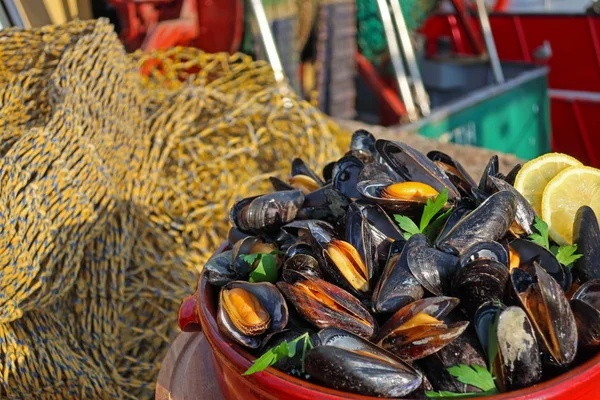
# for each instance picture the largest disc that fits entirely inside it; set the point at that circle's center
(535, 175)
(564, 195)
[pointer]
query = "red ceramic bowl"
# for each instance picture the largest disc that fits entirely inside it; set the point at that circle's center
(231, 360)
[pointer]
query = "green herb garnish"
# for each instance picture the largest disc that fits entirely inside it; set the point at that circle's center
(285, 349)
(266, 270)
(473, 375)
(564, 254)
(426, 226)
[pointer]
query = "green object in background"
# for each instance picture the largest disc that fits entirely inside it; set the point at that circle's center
(370, 36)
(513, 117)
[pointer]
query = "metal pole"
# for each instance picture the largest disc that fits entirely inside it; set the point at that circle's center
(267, 39)
(396, 57)
(409, 55)
(489, 41)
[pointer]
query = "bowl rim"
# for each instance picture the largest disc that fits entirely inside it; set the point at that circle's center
(242, 359)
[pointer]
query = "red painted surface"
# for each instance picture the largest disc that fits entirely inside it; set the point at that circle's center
(581, 383)
(211, 25)
(574, 65)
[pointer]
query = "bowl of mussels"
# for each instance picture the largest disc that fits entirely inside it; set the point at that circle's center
(396, 274)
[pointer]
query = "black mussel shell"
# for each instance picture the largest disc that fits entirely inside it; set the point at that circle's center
(548, 309)
(485, 318)
(327, 204)
(488, 222)
(303, 263)
(378, 218)
(235, 235)
(431, 267)
(328, 171)
(279, 184)
(525, 216)
(246, 246)
(266, 213)
(585, 304)
(462, 208)
(480, 281)
(363, 140)
(397, 286)
(399, 341)
(269, 297)
(586, 235)
(299, 247)
(345, 175)
(219, 269)
(349, 363)
(412, 165)
(359, 233)
(491, 169)
(512, 175)
(485, 250)
(296, 226)
(518, 360)
(299, 167)
(371, 190)
(342, 310)
(453, 168)
(529, 252)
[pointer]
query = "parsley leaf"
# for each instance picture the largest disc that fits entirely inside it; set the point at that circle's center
(285, 349)
(566, 255)
(266, 270)
(444, 394)
(541, 237)
(432, 229)
(432, 208)
(407, 225)
(250, 258)
(474, 375)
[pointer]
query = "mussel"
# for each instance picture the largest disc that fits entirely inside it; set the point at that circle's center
(347, 362)
(247, 311)
(304, 263)
(525, 215)
(327, 204)
(485, 250)
(418, 330)
(397, 286)
(412, 165)
(480, 281)
(431, 267)
(251, 245)
(290, 365)
(548, 309)
(362, 146)
(266, 213)
(218, 270)
(455, 171)
(488, 222)
(586, 235)
(326, 305)
(345, 175)
(585, 304)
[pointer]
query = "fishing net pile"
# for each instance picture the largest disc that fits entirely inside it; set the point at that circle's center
(115, 187)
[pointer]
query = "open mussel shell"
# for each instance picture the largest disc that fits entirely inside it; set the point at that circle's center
(326, 305)
(303, 263)
(528, 252)
(585, 304)
(478, 282)
(586, 235)
(548, 309)
(512, 175)
(279, 184)
(518, 362)
(247, 311)
(397, 286)
(453, 168)
(266, 213)
(525, 215)
(431, 267)
(491, 169)
(417, 330)
(371, 190)
(218, 270)
(383, 230)
(485, 317)
(361, 235)
(412, 165)
(235, 235)
(341, 261)
(485, 250)
(299, 167)
(251, 245)
(463, 207)
(362, 145)
(349, 363)
(327, 204)
(466, 350)
(488, 222)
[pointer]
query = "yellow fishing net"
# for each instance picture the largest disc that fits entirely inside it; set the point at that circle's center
(115, 188)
